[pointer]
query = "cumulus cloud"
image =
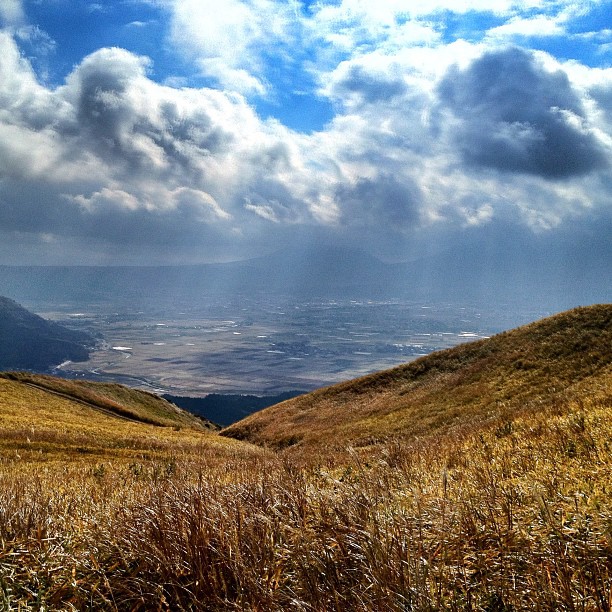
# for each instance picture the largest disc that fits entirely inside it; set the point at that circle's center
(228, 41)
(115, 153)
(427, 138)
(514, 115)
(113, 145)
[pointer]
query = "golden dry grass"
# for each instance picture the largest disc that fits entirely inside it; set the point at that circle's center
(515, 516)
(117, 399)
(507, 511)
(38, 426)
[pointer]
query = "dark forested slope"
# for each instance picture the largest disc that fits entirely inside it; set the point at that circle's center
(30, 342)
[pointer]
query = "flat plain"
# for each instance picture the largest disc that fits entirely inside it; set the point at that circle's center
(267, 345)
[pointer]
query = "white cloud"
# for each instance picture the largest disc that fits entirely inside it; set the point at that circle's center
(375, 16)
(265, 211)
(18, 85)
(11, 13)
(107, 197)
(208, 208)
(353, 25)
(227, 40)
(113, 154)
(603, 35)
(539, 26)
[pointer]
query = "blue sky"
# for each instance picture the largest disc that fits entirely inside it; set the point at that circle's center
(169, 131)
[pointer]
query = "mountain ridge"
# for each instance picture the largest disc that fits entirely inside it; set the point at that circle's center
(521, 369)
(505, 269)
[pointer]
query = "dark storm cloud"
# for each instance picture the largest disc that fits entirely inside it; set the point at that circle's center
(29, 207)
(39, 208)
(384, 201)
(146, 227)
(515, 116)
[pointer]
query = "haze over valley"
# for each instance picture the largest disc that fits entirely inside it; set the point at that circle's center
(247, 328)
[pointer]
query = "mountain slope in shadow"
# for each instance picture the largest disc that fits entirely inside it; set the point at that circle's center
(30, 342)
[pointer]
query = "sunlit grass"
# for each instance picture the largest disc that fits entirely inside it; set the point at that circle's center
(494, 511)
(513, 517)
(39, 426)
(117, 399)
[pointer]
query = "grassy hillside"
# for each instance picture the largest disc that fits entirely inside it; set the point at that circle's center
(489, 505)
(540, 365)
(117, 400)
(28, 341)
(44, 418)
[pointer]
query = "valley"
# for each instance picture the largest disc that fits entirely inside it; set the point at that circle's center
(266, 345)
(473, 478)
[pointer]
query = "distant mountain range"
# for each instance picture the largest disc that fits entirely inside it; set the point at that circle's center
(508, 269)
(30, 342)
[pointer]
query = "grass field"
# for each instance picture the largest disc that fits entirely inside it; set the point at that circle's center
(509, 511)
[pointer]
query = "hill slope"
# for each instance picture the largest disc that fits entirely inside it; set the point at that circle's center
(542, 364)
(28, 341)
(46, 418)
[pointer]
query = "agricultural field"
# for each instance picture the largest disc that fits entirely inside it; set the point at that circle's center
(267, 346)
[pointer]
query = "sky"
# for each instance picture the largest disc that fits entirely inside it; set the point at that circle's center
(186, 131)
